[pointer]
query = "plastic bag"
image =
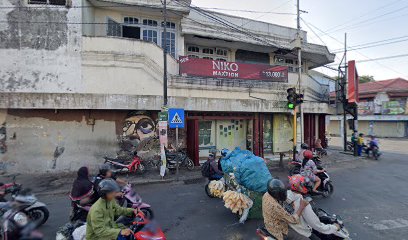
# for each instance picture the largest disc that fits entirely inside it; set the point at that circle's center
(250, 171)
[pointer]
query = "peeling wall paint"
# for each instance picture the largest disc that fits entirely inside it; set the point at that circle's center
(39, 51)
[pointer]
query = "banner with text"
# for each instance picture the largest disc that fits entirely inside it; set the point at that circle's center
(232, 70)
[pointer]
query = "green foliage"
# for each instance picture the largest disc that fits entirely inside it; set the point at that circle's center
(366, 78)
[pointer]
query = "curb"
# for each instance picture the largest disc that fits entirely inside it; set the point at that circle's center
(134, 183)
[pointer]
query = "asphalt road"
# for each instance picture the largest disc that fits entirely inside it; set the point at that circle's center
(371, 196)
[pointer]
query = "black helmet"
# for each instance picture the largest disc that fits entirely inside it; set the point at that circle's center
(277, 190)
(107, 186)
(105, 168)
(304, 146)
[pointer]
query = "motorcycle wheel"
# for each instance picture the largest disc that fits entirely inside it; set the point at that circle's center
(148, 212)
(207, 190)
(190, 164)
(141, 168)
(39, 214)
(328, 190)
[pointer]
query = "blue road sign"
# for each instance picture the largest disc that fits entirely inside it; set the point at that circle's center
(176, 118)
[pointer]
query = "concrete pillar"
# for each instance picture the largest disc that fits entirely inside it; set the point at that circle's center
(271, 58)
(232, 55)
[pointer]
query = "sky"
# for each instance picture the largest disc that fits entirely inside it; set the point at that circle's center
(365, 21)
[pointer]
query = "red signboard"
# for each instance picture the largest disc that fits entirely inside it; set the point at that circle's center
(232, 70)
(353, 81)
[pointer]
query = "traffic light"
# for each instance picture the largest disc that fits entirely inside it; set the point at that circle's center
(292, 97)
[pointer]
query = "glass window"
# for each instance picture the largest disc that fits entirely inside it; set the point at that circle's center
(130, 20)
(149, 22)
(204, 132)
(279, 60)
(48, 2)
(221, 52)
(208, 51)
(193, 56)
(221, 59)
(193, 49)
(150, 35)
(170, 25)
(208, 58)
(171, 43)
(289, 61)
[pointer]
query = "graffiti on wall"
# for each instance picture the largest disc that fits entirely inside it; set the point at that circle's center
(139, 133)
(3, 138)
(393, 108)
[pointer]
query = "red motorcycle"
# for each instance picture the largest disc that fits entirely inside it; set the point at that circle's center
(12, 188)
(144, 229)
(120, 165)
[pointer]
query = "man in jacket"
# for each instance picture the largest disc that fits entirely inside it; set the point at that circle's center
(100, 222)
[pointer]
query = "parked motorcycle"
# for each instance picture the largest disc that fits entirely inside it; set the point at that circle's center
(16, 222)
(120, 165)
(181, 157)
(325, 218)
(12, 188)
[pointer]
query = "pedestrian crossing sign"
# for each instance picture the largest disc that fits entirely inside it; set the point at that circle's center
(176, 118)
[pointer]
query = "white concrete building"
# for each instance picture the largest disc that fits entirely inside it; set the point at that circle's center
(77, 76)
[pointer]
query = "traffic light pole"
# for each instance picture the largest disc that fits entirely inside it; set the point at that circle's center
(294, 132)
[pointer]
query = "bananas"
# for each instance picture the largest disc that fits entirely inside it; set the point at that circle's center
(236, 201)
(216, 188)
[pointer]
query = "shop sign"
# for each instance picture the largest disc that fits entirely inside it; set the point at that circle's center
(232, 70)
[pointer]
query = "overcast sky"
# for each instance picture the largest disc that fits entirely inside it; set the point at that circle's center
(364, 21)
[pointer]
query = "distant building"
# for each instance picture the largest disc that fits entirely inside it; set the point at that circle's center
(79, 77)
(382, 109)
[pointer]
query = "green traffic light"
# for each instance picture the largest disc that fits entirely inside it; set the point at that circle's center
(291, 106)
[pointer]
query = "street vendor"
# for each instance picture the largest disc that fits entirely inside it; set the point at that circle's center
(276, 218)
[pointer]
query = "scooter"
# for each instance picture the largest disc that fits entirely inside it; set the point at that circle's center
(12, 188)
(144, 229)
(325, 218)
(180, 157)
(296, 165)
(325, 189)
(136, 165)
(16, 222)
(133, 200)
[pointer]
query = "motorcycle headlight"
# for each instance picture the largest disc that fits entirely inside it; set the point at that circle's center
(21, 219)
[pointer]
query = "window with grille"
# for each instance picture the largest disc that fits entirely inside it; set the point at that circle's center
(149, 22)
(171, 43)
(193, 49)
(208, 51)
(170, 25)
(219, 54)
(48, 2)
(150, 35)
(130, 20)
(114, 28)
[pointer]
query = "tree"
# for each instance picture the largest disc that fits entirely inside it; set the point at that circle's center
(366, 79)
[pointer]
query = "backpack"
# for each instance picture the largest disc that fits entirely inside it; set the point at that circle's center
(205, 169)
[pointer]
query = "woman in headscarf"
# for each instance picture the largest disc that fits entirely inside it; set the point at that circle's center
(82, 194)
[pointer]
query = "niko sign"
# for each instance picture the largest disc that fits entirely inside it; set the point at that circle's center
(232, 70)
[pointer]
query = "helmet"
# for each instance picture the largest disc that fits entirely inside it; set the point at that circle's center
(308, 154)
(304, 146)
(224, 152)
(297, 183)
(277, 190)
(105, 168)
(107, 186)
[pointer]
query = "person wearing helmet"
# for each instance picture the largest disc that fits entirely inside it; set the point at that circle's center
(276, 216)
(303, 148)
(309, 170)
(105, 172)
(101, 218)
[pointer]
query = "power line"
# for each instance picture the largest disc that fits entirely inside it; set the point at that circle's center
(353, 48)
(365, 14)
(383, 58)
(369, 43)
(248, 11)
(257, 18)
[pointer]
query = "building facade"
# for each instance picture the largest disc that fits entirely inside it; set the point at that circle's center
(382, 109)
(79, 78)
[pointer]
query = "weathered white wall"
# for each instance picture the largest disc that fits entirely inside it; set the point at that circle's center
(36, 139)
(380, 128)
(38, 57)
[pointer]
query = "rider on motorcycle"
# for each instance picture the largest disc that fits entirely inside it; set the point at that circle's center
(372, 144)
(309, 170)
(303, 148)
(101, 222)
(276, 217)
(215, 172)
(105, 172)
(309, 220)
(83, 193)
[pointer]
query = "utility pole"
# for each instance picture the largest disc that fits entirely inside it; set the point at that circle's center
(165, 53)
(344, 94)
(299, 50)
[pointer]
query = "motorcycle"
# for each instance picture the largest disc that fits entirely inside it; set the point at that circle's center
(12, 188)
(296, 165)
(375, 152)
(130, 199)
(325, 218)
(144, 229)
(180, 157)
(16, 223)
(136, 165)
